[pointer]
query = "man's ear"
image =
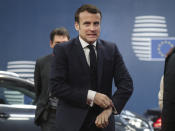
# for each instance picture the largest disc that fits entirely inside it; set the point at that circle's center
(76, 26)
(51, 44)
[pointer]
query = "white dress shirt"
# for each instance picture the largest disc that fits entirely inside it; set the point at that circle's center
(91, 94)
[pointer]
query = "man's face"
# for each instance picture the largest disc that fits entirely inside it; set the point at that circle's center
(88, 26)
(58, 39)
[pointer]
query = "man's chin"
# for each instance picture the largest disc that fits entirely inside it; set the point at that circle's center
(91, 40)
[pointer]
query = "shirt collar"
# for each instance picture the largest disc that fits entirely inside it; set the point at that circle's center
(85, 44)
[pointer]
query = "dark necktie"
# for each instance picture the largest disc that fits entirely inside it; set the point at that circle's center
(93, 67)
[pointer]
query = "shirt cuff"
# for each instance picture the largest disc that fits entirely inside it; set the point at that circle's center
(90, 97)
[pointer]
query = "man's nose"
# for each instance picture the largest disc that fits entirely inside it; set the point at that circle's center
(92, 27)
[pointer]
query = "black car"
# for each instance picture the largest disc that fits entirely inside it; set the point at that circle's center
(17, 105)
(17, 108)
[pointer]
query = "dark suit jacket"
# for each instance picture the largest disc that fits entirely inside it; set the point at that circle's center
(168, 112)
(41, 79)
(70, 81)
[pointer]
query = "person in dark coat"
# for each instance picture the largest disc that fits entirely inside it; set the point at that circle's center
(46, 105)
(168, 112)
(82, 72)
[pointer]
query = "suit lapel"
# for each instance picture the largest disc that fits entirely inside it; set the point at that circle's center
(99, 62)
(82, 57)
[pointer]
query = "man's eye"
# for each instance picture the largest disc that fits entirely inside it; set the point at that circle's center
(86, 23)
(96, 23)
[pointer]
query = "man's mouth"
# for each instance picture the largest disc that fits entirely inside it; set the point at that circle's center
(92, 35)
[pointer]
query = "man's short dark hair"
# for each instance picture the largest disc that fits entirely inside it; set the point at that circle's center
(87, 7)
(59, 31)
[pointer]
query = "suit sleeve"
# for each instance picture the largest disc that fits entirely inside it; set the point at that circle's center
(37, 80)
(123, 82)
(59, 80)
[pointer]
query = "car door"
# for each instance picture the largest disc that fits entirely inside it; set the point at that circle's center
(17, 109)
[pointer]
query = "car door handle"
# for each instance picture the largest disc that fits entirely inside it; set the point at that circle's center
(4, 115)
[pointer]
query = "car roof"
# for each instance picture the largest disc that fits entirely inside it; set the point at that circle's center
(8, 73)
(14, 76)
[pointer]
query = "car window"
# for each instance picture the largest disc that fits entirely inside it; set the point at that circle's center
(12, 92)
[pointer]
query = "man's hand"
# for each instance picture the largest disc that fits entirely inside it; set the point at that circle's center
(102, 100)
(102, 120)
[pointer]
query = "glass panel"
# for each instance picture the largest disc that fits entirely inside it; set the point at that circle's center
(15, 94)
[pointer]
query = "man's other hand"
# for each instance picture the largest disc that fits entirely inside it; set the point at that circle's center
(102, 100)
(102, 120)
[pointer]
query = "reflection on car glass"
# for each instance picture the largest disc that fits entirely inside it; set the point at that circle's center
(15, 94)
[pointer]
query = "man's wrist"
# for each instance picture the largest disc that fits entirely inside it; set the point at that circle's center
(108, 111)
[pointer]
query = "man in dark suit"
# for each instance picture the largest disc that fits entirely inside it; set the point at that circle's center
(46, 110)
(82, 72)
(168, 112)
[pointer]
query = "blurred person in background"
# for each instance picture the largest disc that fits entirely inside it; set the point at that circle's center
(46, 104)
(160, 94)
(168, 111)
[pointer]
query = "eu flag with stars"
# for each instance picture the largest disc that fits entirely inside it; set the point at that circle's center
(160, 47)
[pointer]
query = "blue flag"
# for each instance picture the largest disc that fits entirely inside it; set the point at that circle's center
(160, 47)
